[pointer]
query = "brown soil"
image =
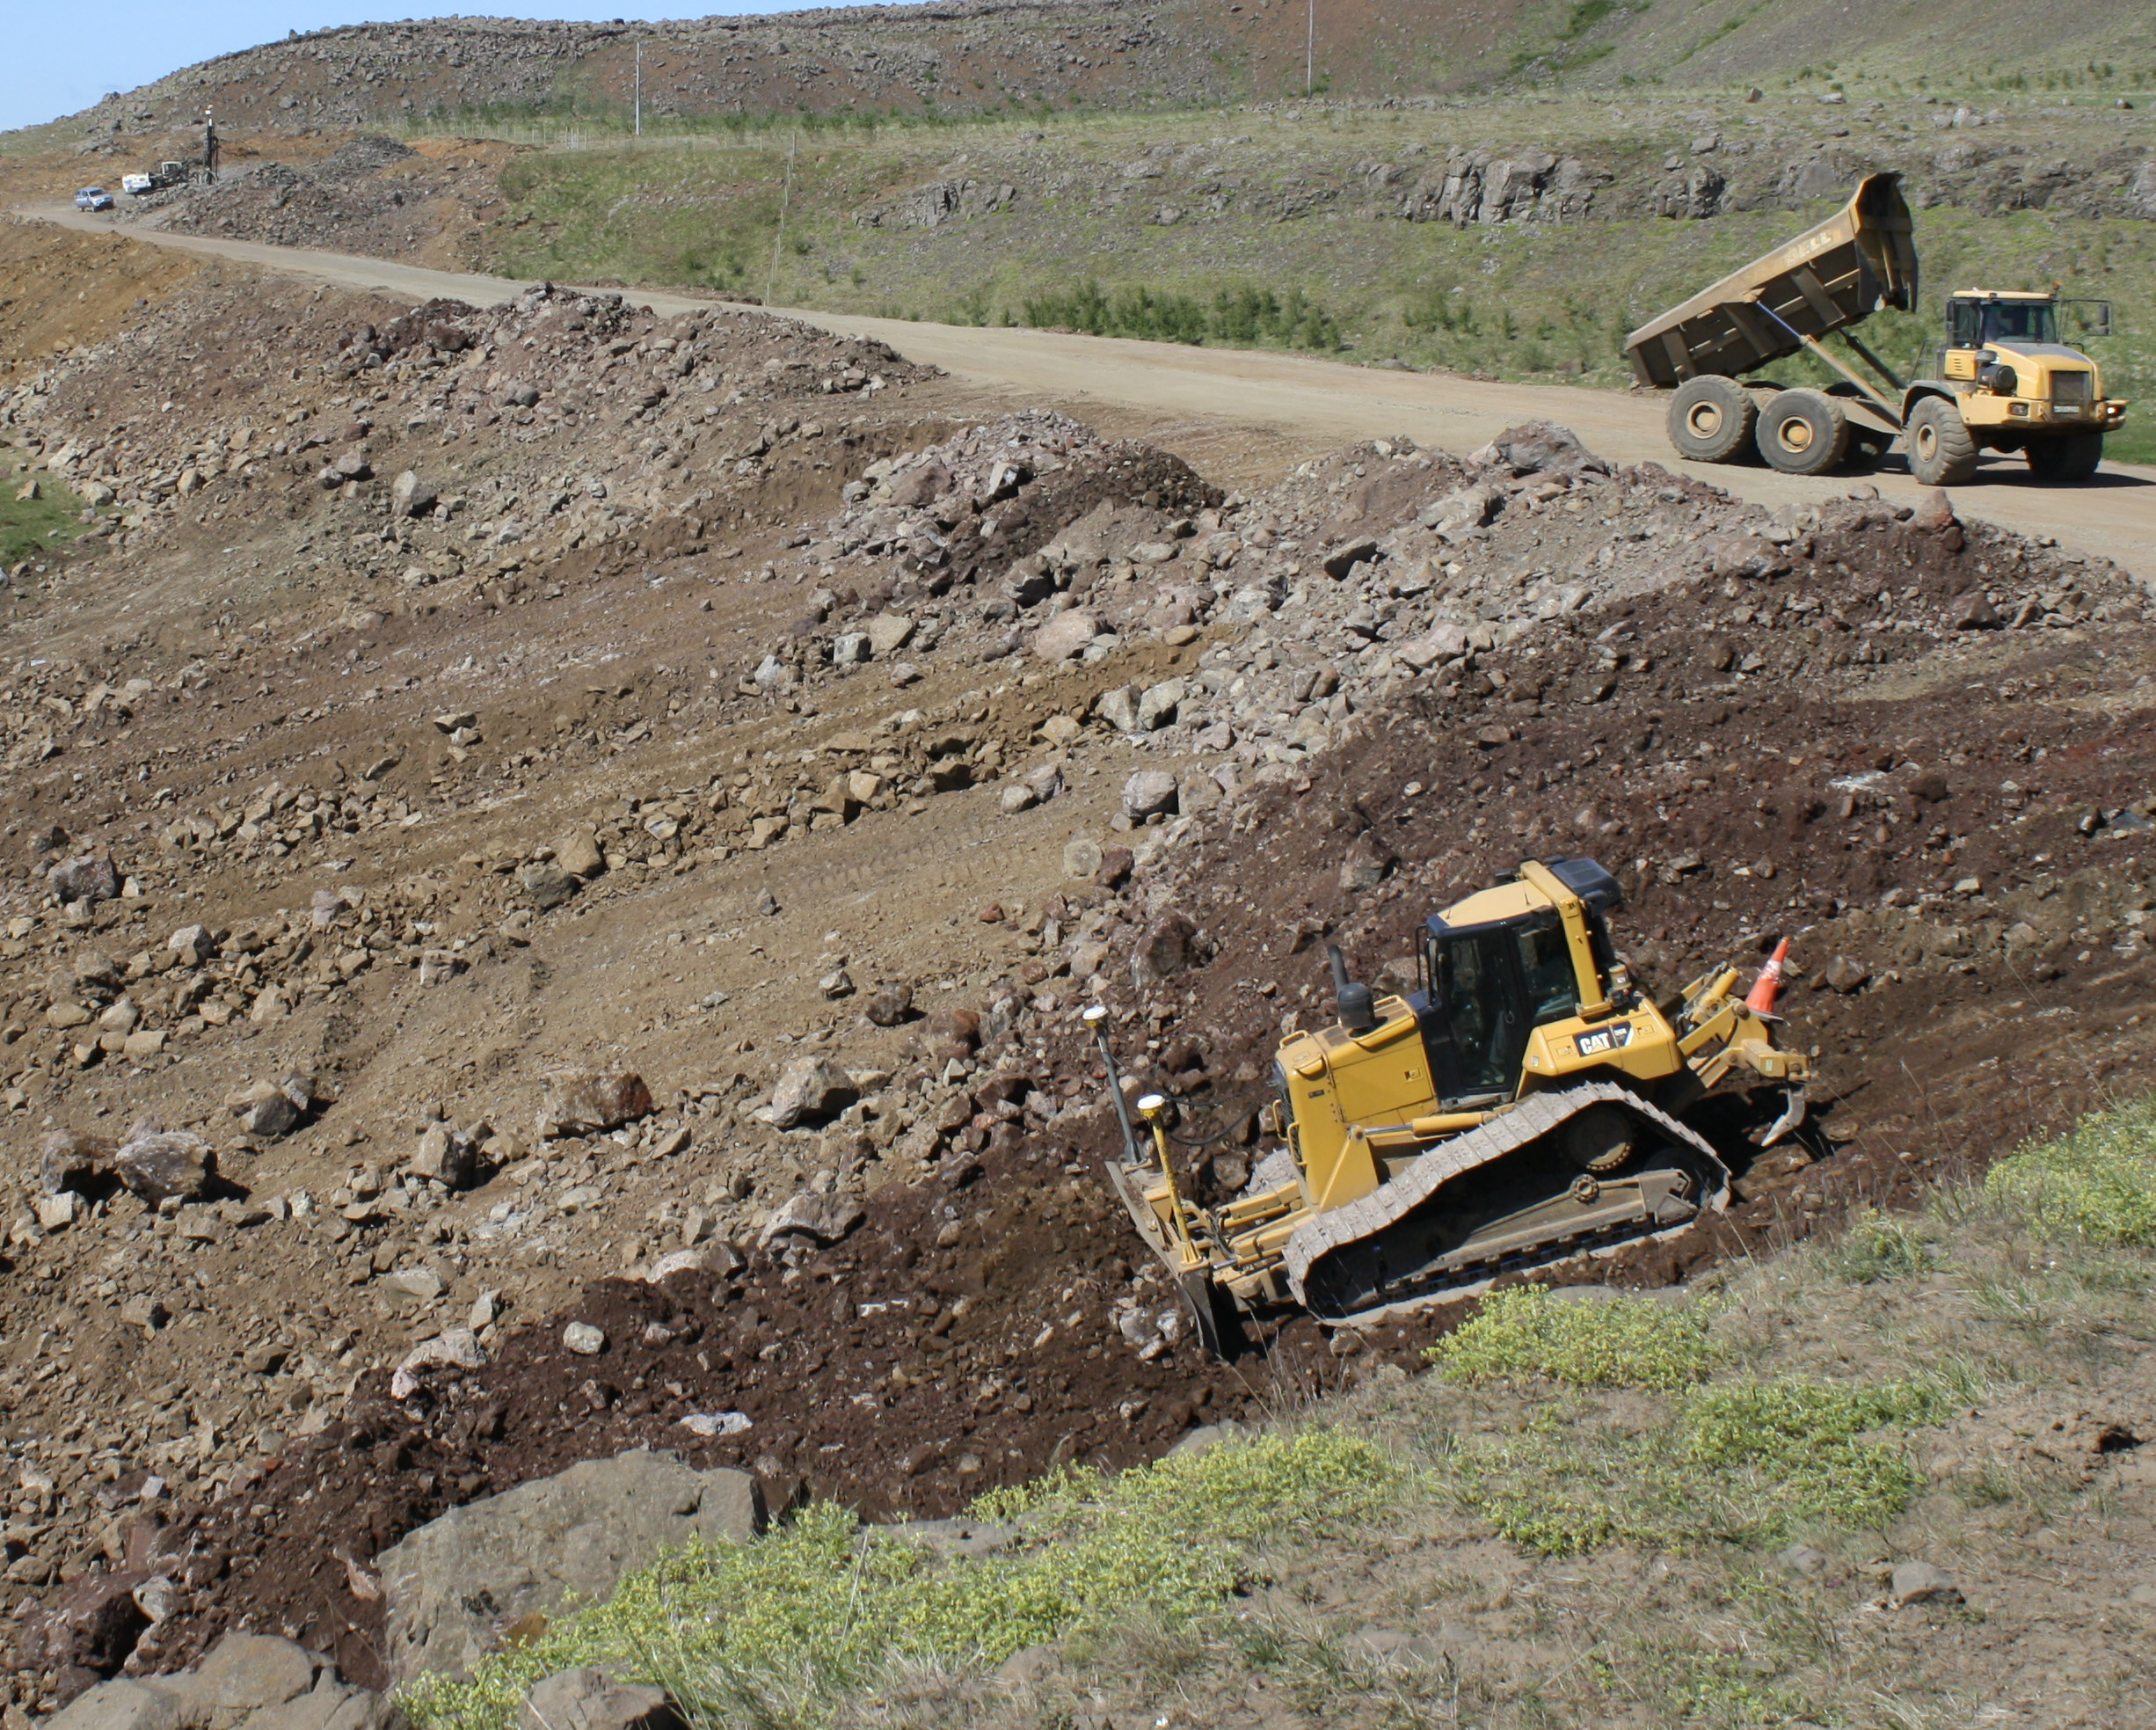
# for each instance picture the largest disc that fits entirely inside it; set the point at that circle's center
(1966, 1074)
(66, 290)
(300, 640)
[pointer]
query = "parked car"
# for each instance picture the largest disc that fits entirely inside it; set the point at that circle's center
(93, 198)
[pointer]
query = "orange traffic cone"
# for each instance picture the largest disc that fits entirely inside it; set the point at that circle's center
(1767, 986)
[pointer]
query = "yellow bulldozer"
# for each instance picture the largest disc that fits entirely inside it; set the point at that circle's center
(1525, 1105)
(2003, 380)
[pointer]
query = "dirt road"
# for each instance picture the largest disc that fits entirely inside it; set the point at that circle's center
(1315, 403)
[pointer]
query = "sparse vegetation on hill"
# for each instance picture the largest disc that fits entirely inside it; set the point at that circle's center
(1189, 230)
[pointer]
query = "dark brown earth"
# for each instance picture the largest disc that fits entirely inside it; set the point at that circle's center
(1925, 1078)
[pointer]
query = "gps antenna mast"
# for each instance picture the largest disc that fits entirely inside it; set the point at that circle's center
(639, 86)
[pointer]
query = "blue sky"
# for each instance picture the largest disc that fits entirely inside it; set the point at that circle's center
(55, 60)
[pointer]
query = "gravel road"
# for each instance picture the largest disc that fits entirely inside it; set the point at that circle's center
(1323, 402)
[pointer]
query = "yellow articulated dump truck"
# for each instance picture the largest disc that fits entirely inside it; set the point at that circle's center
(2001, 381)
(1525, 1106)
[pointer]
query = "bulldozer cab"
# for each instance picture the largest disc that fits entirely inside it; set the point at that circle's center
(1506, 962)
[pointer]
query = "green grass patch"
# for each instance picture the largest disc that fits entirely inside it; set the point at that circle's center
(2097, 1183)
(776, 1632)
(1804, 1444)
(1877, 1247)
(1240, 316)
(1742, 1462)
(29, 527)
(1621, 1342)
(1747, 1463)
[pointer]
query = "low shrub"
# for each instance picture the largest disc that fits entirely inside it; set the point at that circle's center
(1878, 1248)
(1621, 1342)
(1239, 316)
(2096, 1183)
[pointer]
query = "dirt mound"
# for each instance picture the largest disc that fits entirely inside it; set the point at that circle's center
(970, 1332)
(108, 281)
(372, 195)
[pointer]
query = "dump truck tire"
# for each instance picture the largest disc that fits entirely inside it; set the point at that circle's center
(1802, 432)
(1941, 451)
(2071, 458)
(1711, 420)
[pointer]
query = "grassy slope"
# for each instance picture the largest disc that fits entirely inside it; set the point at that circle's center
(1510, 1497)
(31, 527)
(1516, 302)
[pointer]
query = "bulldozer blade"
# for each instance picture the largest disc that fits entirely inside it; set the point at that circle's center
(1128, 1182)
(1792, 1118)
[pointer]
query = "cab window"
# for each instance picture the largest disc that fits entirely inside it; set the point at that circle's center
(2027, 321)
(1962, 322)
(1546, 961)
(1476, 998)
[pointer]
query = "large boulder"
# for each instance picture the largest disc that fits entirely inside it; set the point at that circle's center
(809, 1087)
(1065, 635)
(577, 853)
(547, 884)
(824, 1219)
(888, 633)
(450, 1585)
(584, 1102)
(157, 1163)
(249, 1681)
(92, 878)
(1150, 792)
(272, 1107)
(593, 1700)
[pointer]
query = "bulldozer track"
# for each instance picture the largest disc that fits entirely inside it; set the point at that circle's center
(1391, 1203)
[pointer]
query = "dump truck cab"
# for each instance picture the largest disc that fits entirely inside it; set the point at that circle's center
(2004, 360)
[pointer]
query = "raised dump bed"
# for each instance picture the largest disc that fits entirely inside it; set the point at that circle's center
(1860, 260)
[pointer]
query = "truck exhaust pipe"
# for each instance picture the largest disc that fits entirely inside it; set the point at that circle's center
(1355, 1004)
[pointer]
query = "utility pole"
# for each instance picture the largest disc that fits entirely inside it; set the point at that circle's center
(640, 84)
(770, 284)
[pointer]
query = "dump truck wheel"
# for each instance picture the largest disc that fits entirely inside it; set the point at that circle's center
(2071, 458)
(1711, 420)
(1941, 451)
(1601, 1139)
(1802, 432)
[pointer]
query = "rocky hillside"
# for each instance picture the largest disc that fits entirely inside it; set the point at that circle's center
(979, 56)
(593, 831)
